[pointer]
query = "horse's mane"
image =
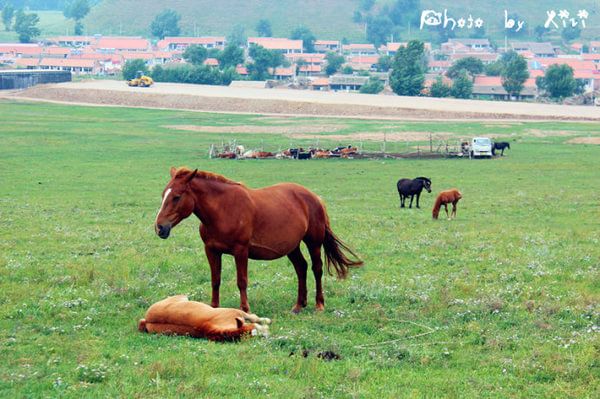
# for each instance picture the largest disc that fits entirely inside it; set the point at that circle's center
(422, 178)
(205, 175)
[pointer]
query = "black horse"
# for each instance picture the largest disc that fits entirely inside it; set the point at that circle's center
(414, 187)
(500, 146)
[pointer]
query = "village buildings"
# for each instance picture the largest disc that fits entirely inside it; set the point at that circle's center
(106, 55)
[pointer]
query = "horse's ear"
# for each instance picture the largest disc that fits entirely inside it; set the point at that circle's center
(239, 322)
(173, 171)
(191, 176)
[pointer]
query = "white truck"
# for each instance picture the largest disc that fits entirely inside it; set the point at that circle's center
(481, 147)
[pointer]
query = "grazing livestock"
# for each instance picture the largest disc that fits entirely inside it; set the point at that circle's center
(262, 154)
(258, 154)
(265, 224)
(348, 151)
(322, 154)
(176, 315)
(451, 196)
(227, 155)
(412, 187)
(500, 146)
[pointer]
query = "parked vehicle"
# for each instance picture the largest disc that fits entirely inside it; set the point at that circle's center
(481, 147)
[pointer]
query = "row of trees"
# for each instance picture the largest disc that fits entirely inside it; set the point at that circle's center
(24, 24)
(512, 68)
(196, 72)
(187, 73)
(409, 66)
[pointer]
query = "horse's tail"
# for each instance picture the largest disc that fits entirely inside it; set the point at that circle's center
(335, 256)
(436, 207)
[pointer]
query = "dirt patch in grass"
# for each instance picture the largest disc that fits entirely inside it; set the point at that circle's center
(585, 140)
(291, 129)
(502, 125)
(377, 136)
(548, 133)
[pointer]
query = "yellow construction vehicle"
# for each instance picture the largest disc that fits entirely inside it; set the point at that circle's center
(140, 80)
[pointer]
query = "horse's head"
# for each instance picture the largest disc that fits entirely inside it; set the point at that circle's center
(426, 183)
(177, 202)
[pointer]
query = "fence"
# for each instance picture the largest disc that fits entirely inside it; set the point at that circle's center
(13, 80)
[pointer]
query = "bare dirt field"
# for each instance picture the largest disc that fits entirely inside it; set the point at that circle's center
(585, 140)
(280, 102)
(288, 130)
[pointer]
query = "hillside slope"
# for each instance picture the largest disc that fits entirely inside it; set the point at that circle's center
(330, 19)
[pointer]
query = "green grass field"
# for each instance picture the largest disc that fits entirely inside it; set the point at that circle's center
(501, 302)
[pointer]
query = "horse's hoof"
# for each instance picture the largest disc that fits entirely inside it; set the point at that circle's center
(319, 307)
(264, 321)
(296, 309)
(261, 331)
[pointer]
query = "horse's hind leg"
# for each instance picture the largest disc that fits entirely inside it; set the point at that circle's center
(411, 200)
(402, 198)
(252, 318)
(301, 267)
(317, 268)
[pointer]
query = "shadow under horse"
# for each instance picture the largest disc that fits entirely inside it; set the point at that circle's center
(412, 187)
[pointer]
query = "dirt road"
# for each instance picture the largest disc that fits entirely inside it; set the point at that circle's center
(298, 102)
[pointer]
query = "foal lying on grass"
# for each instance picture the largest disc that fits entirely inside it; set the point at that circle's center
(176, 315)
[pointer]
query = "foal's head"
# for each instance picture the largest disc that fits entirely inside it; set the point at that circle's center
(177, 202)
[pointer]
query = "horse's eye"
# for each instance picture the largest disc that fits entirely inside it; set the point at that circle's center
(176, 198)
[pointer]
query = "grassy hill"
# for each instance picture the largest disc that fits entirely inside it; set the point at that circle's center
(329, 20)
(52, 23)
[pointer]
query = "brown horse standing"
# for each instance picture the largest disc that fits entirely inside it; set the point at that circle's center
(444, 198)
(264, 224)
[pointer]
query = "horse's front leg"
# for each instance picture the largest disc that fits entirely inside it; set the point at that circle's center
(446, 208)
(214, 260)
(454, 210)
(241, 265)
(418, 195)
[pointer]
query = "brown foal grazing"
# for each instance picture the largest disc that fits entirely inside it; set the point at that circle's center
(176, 315)
(451, 196)
(265, 224)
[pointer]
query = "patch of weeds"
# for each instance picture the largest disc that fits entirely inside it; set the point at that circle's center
(92, 374)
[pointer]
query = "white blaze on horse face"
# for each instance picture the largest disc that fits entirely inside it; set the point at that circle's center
(162, 204)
